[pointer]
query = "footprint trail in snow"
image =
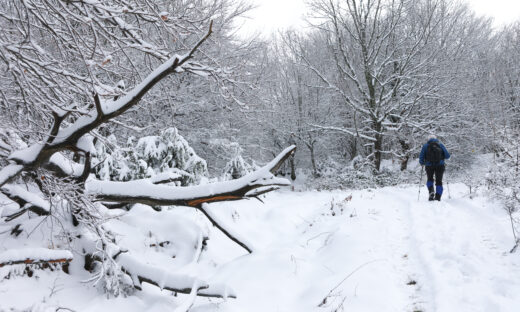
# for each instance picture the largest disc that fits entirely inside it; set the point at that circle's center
(381, 250)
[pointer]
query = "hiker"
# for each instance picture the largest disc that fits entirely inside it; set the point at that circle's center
(432, 156)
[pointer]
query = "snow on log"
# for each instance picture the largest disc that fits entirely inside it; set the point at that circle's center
(143, 272)
(145, 192)
(34, 256)
(166, 177)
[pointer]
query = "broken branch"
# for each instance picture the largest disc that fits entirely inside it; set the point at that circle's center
(144, 192)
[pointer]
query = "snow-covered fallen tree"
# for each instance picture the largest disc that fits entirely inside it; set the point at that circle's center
(34, 256)
(47, 177)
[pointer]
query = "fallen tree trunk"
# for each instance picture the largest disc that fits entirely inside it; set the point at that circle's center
(36, 261)
(145, 192)
(35, 256)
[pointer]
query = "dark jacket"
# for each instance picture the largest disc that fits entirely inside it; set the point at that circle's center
(423, 152)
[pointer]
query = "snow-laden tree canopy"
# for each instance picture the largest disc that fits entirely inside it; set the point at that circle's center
(167, 157)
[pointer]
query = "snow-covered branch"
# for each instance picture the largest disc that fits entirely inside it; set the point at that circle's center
(141, 272)
(26, 200)
(145, 192)
(60, 139)
(8, 172)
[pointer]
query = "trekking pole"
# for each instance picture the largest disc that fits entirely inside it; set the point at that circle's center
(420, 181)
(448, 185)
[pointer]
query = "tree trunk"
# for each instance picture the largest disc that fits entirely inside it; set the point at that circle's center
(293, 169)
(406, 156)
(378, 146)
(310, 146)
(313, 161)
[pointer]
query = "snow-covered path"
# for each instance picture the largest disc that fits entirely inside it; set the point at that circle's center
(368, 250)
(381, 250)
(463, 247)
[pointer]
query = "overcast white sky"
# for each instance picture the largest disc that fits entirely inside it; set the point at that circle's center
(275, 14)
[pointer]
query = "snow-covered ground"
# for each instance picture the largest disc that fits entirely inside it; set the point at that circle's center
(369, 250)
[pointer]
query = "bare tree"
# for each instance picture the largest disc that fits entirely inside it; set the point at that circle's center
(389, 59)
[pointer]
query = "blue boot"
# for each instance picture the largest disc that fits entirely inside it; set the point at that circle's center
(438, 192)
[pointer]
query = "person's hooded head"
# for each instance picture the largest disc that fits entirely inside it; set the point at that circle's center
(432, 137)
